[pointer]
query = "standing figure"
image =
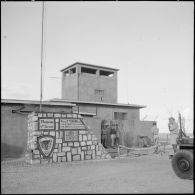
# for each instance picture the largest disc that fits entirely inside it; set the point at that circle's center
(117, 135)
(174, 129)
(104, 133)
(155, 133)
(112, 135)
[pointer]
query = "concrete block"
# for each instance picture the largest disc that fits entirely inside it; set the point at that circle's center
(58, 140)
(36, 152)
(45, 133)
(63, 159)
(95, 142)
(83, 143)
(40, 115)
(35, 126)
(82, 156)
(61, 134)
(74, 151)
(55, 157)
(57, 134)
(36, 133)
(76, 144)
(84, 148)
(74, 116)
(66, 149)
(55, 150)
(70, 143)
(57, 115)
(36, 156)
(88, 157)
(69, 157)
(37, 161)
(61, 153)
(52, 133)
(82, 132)
(57, 120)
(59, 159)
(79, 116)
(59, 147)
(49, 114)
(89, 152)
(57, 126)
(80, 138)
(93, 147)
(79, 150)
(63, 115)
(93, 154)
(65, 144)
(89, 142)
(44, 115)
(88, 147)
(69, 115)
(84, 138)
(89, 137)
(34, 118)
(76, 157)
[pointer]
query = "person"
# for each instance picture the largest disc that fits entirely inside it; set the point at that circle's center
(174, 130)
(117, 135)
(155, 133)
(104, 133)
(112, 135)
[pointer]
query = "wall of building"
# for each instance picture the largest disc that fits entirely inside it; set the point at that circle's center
(88, 83)
(69, 87)
(56, 137)
(130, 127)
(14, 127)
(81, 86)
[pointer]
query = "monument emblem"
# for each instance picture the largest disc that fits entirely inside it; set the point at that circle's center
(46, 145)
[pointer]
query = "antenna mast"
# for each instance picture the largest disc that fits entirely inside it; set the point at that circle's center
(41, 88)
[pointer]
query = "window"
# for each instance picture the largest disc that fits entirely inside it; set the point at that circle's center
(99, 92)
(73, 70)
(88, 70)
(120, 116)
(66, 74)
(106, 73)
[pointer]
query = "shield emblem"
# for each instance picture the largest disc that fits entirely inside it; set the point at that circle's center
(46, 145)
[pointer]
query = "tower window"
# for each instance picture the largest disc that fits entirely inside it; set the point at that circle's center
(73, 70)
(88, 70)
(106, 73)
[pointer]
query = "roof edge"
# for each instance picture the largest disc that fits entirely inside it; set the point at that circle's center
(91, 65)
(99, 103)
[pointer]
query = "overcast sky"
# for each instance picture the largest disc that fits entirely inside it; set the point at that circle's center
(152, 43)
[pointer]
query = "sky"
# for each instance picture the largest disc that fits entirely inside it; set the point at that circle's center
(152, 43)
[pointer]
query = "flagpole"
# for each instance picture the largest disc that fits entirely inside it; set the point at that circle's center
(41, 87)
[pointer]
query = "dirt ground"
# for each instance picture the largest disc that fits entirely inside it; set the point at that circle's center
(143, 174)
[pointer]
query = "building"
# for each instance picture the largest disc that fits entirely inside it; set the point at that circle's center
(89, 90)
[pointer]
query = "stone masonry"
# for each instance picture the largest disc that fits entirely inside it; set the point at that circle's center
(57, 137)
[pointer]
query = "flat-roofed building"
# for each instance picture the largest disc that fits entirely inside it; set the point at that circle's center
(86, 82)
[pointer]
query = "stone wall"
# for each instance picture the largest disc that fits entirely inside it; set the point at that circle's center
(55, 137)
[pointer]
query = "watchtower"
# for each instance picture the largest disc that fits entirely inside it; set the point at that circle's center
(87, 82)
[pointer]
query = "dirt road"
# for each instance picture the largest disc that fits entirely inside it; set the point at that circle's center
(144, 174)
